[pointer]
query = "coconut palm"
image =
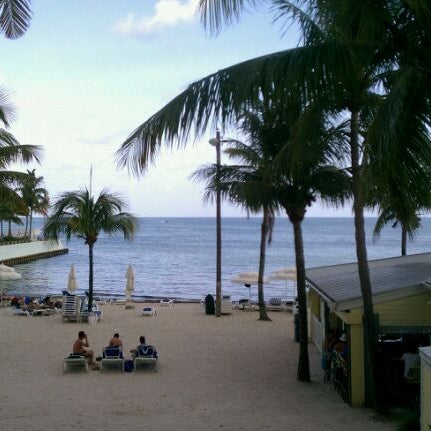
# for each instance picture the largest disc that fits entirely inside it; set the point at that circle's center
(34, 196)
(11, 151)
(10, 212)
(307, 168)
(250, 183)
(79, 213)
(349, 50)
(15, 16)
(355, 47)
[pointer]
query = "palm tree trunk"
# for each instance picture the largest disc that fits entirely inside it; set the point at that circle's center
(31, 223)
(26, 225)
(90, 276)
(303, 374)
(9, 232)
(263, 236)
(403, 241)
(370, 334)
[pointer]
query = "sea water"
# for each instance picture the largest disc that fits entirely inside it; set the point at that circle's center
(176, 257)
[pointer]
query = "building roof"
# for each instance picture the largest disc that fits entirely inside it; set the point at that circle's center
(391, 278)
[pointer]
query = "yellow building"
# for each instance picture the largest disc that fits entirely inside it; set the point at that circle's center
(402, 304)
(425, 353)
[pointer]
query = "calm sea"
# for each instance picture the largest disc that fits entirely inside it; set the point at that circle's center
(175, 257)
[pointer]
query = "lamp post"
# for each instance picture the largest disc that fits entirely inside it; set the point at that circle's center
(216, 142)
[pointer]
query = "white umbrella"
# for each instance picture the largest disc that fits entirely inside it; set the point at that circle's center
(248, 278)
(287, 274)
(130, 282)
(284, 274)
(71, 280)
(8, 273)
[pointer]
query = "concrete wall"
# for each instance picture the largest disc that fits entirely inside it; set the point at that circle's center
(29, 250)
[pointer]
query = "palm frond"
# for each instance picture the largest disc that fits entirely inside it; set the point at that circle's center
(214, 12)
(15, 17)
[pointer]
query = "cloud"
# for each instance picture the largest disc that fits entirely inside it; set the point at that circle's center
(167, 13)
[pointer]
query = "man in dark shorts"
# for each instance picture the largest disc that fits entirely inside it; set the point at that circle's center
(81, 347)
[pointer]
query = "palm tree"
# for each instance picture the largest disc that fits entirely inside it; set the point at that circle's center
(78, 213)
(307, 168)
(249, 184)
(397, 207)
(11, 151)
(15, 16)
(349, 50)
(10, 212)
(34, 196)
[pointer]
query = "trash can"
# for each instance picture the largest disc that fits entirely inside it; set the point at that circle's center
(209, 304)
(296, 326)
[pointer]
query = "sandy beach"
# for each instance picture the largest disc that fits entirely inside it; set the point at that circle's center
(230, 373)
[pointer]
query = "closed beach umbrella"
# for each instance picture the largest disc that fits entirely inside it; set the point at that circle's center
(130, 282)
(71, 280)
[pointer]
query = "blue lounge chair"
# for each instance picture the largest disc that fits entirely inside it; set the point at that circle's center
(112, 357)
(75, 362)
(146, 355)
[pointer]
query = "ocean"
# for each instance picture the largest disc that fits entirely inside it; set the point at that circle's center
(176, 257)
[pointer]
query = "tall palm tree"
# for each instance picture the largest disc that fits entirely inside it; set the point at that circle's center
(307, 168)
(34, 196)
(399, 208)
(11, 151)
(15, 17)
(249, 183)
(78, 213)
(10, 212)
(350, 49)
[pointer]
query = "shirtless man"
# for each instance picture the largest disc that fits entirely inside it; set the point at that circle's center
(115, 341)
(80, 347)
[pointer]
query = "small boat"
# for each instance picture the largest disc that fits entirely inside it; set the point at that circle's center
(8, 273)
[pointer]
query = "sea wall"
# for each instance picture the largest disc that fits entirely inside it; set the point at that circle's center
(26, 252)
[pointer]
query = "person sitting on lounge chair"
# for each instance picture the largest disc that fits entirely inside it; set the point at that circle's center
(81, 347)
(144, 349)
(115, 341)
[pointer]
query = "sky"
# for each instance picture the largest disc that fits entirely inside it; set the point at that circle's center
(87, 73)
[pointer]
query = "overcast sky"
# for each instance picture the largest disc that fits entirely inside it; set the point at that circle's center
(87, 73)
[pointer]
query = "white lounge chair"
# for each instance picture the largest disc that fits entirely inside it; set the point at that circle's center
(167, 302)
(149, 311)
(145, 356)
(75, 362)
(71, 308)
(112, 358)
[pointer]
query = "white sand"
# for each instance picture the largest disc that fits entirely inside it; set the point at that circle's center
(230, 373)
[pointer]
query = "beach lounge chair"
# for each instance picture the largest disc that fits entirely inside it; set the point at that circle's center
(276, 304)
(71, 308)
(149, 311)
(145, 356)
(112, 358)
(75, 362)
(167, 302)
(19, 312)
